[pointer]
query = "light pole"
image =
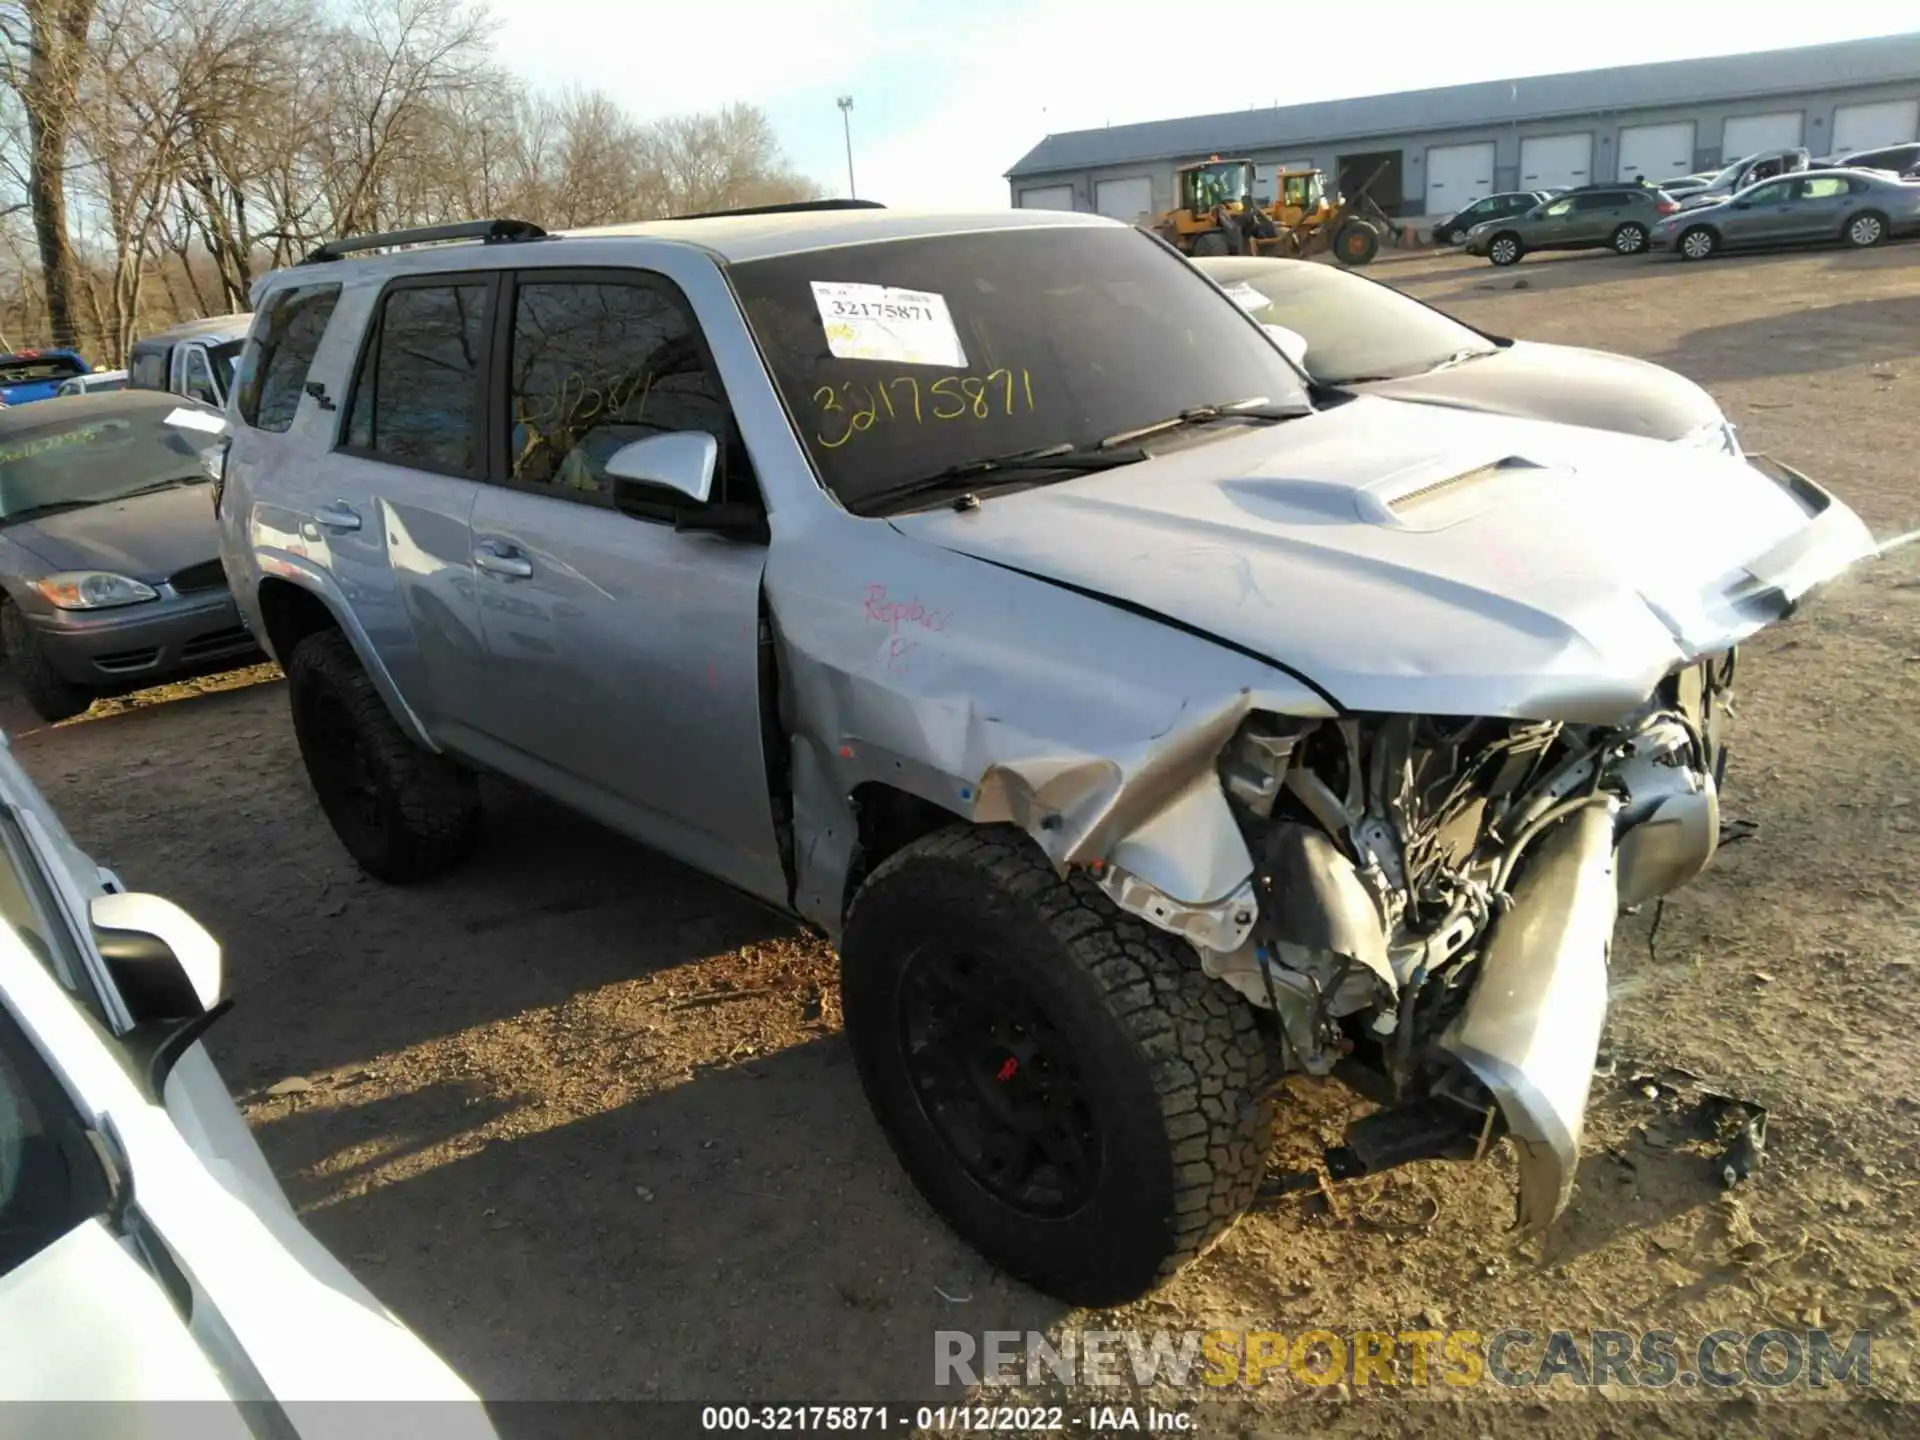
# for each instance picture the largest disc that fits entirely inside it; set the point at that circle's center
(846, 124)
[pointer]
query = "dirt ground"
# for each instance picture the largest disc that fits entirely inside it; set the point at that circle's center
(584, 1119)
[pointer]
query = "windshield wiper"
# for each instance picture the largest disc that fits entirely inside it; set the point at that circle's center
(52, 507)
(1256, 407)
(958, 477)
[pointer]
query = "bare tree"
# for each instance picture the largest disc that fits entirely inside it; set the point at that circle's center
(45, 57)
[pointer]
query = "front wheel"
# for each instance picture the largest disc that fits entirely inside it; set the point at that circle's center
(1061, 1081)
(1866, 230)
(1356, 243)
(51, 695)
(1505, 250)
(1630, 239)
(1698, 243)
(403, 813)
(1212, 243)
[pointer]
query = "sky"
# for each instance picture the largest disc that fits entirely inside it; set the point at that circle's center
(948, 96)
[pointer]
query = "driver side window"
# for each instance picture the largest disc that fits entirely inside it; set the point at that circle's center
(1559, 207)
(1768, 195)
(596, 365)
(196, 379)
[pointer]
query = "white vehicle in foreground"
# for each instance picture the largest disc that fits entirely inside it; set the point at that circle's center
(146, 1252)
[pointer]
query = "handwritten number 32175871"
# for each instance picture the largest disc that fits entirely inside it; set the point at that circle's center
(903, 400)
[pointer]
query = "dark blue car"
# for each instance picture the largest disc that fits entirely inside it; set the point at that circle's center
(36, 374)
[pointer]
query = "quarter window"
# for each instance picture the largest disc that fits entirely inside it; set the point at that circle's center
(416, 400)
(598, 365)
(274, 369)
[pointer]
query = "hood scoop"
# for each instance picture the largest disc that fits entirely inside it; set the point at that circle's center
(1415, 499)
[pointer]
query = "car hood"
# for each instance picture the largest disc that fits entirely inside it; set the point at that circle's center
(147, 537)
(1412, 559)
(1567, 384)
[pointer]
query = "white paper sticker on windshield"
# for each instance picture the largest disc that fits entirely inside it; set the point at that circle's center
(1246, 297)
(880, 322)
(196, 420)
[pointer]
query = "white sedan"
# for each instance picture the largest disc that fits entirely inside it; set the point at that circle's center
(146, 1251)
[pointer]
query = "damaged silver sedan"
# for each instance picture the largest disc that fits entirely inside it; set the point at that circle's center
(1143, 722)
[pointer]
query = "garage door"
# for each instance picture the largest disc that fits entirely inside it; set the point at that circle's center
(1457, 175)
(1867, 127)
(1556, 160)
(1130, 200)
(1048, 197)
(1750, 134)
(1658, 152)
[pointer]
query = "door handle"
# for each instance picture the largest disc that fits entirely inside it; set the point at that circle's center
(497, 557)
(338, 516)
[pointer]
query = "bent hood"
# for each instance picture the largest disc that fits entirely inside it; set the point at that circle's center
(1567, 384)
(146, 537)
(1407, 558)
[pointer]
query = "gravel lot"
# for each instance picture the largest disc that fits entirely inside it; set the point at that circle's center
(584, 1118)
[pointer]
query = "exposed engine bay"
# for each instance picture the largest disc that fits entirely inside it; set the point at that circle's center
(1436, 898)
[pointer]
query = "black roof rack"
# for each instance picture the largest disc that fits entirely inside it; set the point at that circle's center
(486, 230)
(792, 208)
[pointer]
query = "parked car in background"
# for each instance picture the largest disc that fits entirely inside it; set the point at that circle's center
(110, 575)
(1749, 170)
(29, 375)
(1453, 229)
(96, 383)
(1895, 159)
(195, 359)
(1137, 718)
(1847, 207)
(1616, 217)
(1359, 334)
(146, 1251)
(1681, 186)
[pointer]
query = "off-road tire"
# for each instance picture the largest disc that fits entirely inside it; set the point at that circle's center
(1629, 239)
(423, 816)
(1174, 1070)
(1865, 230)
(1211, 244)
(1505, 249)
(52, 696)
(1699, 243)
(1356, 243)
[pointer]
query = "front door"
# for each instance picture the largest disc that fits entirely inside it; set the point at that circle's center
(625, 654)
(1553, 227)
(1763, 215)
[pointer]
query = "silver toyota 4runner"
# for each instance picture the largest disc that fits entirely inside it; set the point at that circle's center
(990, 591)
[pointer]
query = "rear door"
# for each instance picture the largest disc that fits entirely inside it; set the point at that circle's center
(1818, 207)
(391, 513)
(625, 655)
(1595, 215)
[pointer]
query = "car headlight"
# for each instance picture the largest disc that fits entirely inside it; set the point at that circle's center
(92, 590)
(1715, 435)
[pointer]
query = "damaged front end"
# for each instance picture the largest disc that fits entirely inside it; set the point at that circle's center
(1435, 899)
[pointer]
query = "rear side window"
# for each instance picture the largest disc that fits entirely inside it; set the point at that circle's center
(273, 370)
(1602, 200)
(416, 399)
(148, 370)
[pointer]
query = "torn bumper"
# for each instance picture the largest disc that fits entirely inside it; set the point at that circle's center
(1530, 1031)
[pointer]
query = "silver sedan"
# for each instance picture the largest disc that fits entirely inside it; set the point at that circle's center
(1853, 207)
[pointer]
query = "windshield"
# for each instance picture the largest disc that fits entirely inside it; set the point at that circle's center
(28, 369)
(66, 465)
(1724, 180)
(901, 359)
(1355, 329)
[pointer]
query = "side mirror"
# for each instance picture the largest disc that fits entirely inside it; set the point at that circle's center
(166, 965)
(682, 461)
(1291, 342)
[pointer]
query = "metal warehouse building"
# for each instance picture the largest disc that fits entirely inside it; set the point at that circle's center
(1433, 151)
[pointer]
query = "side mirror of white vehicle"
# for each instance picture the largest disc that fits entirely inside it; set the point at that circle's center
(682, 461)
(166, 965)
(1291, 342)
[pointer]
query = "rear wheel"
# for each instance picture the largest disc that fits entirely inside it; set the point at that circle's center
(51, 695)
(1629, 239)
(1698, 243)
(1866, 229)
(403, 813)
(1505, 249)
(1061, 1081)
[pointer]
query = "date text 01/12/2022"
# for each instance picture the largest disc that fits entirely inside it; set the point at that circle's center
(974, 1419)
